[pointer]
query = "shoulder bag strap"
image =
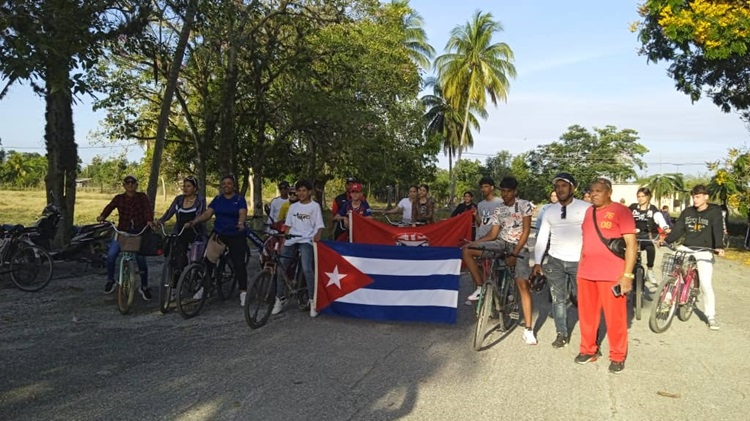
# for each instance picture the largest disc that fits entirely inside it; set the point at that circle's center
(593, 213)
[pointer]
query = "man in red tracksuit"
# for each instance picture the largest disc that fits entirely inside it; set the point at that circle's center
(599, 271)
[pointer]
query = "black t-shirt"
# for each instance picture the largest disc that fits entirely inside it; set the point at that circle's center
(463, 207)
(644, 220)
(701, 228)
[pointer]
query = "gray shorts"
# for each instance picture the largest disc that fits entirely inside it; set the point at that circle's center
(523, 269)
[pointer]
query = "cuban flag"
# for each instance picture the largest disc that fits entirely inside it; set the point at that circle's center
(388, 283)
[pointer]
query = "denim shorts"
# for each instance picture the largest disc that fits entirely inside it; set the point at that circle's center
(523, 269)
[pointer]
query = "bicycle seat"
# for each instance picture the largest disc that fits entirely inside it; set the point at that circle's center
(12, 228)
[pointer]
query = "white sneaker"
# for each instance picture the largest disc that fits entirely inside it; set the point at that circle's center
(475, 295)
(528, 336)
(243, 294)
(651, 277)
(278, 306)
(712, 323)
(313, 313)
(198, 294)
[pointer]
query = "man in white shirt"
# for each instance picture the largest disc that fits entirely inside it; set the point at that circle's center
(404, 205)
(278, 202)
(561, 229)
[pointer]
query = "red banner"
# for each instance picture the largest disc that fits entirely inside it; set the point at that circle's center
(451, 232)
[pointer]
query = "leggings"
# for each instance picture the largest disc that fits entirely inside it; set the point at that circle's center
(650, 252)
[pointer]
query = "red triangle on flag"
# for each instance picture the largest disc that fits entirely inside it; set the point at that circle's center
(335, 276)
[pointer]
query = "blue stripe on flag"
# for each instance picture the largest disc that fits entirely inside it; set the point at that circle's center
(390, 313)
(376, 251)
(401, 283)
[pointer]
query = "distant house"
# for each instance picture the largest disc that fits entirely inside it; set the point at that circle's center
(83, 182)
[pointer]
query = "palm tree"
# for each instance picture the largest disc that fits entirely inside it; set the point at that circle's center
(444, 120)
(474, 68)
(665, 185)
(420, 51)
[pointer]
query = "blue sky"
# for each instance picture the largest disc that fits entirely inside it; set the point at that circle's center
(577, 63)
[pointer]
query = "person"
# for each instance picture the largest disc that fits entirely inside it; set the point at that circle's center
(511, 226)
(354, 205)
(405, 206)
(230, 209)
(552, 200)
(486, 207)
(586, 196)
(134, 213)
(186, 206)
(467, 205)
(601, 272)
(278, 201)
(648, 221)
(702, 226)
(560, 235)
(304, 223)
(339, 201)
(667, 217)
(285, 207)
(423, 208)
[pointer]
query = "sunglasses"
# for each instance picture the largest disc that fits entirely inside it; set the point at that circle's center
(130, 182)
(291, 193)
(564, 212)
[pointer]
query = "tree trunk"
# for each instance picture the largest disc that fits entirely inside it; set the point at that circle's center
(166, 105)
(62, 151)
(257, 180)
(464, 127)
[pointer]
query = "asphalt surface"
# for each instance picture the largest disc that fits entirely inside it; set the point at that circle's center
(67, 354)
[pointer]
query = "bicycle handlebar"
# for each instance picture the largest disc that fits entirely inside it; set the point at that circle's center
(690, 248)
(179, 233)
(500, 254)
(114, 227)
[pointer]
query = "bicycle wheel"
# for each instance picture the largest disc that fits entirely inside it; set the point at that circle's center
(301, 294)
(192, 290)
(165, 286)
(226, 283)
(126, 286)
(484, 306)
(664, 307)
(30, 268)
(260, 299)
(508, 304)
(686, 310)
(638, 290)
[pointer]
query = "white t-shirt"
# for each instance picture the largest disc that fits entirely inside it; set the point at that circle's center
(510, 219)
(563, 235)
(485, 209)
(275, 208)
(405, 204)
(304, 220)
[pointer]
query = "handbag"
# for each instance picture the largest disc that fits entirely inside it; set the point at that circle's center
(214, 248)
(615, 245)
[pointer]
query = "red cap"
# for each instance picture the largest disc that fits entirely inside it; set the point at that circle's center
(356, 187)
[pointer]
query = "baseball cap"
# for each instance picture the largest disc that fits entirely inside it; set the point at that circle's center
(356, 187)
(565, 177)
(130, 178)
(283, 184)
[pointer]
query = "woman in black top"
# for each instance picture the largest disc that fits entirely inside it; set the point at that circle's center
(648, 220)
(467, 205)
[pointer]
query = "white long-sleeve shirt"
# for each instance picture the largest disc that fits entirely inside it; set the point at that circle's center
(564, 236)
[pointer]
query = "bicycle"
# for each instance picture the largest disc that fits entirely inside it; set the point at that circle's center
(262, 295)
(29, 266)
(194, 287)
(499, 297)
(679, 290)
(130, 245)
(167, 286)
(639, 281)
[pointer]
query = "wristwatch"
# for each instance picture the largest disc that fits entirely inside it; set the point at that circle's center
(628, 275)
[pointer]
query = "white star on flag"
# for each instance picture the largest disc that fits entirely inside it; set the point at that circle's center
(334, 278)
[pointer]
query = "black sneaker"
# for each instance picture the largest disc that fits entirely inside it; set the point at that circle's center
(145, 293)
(586, 358)
(109, 287)
(561, 341)
(616, 367)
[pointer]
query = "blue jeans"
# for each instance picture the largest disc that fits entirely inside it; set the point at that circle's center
(560, 274)
(113, 251)
(306, 259)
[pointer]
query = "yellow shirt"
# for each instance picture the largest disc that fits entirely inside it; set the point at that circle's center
(283, 211)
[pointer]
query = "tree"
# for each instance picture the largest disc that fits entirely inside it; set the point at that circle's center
(585, 155)
(58, 42)
(22, 169)
(706, 42)
(474, 67)
(415, 38)
(731, 180)
(665, 185)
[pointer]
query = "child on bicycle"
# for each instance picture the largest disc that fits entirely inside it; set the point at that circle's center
(703, 226)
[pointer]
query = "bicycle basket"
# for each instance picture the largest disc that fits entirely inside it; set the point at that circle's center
(197, 248)
(129, 243)
(668, 263)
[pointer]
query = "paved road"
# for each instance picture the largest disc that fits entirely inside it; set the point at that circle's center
(67, 354)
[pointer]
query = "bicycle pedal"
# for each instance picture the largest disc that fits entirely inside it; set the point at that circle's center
(514, 315)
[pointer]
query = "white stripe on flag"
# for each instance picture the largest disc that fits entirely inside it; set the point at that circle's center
(396, 267)
(415, 297)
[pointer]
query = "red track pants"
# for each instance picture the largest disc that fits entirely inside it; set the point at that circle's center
(593, 296)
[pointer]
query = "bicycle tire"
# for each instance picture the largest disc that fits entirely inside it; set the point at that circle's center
(508, 303)
(639, 280)
(485, 305)
(30, 268)
(664, 306)
(225, 280)
(686, 310)
(126, 286)
(260, 300)
(300, 288)
(165, 286)
(192, 280)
